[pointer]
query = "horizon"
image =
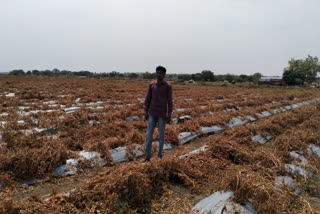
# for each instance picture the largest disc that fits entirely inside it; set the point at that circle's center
(7, 72)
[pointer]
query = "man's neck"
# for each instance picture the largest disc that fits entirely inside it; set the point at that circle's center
(159, 82)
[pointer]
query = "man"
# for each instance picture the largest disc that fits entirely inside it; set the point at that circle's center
(158, 109)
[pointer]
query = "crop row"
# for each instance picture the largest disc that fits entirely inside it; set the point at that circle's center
(232, 162)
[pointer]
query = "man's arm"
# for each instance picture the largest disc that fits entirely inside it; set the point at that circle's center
(170, 105)
(147, 102)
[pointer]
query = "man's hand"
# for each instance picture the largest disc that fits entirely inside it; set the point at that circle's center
(168, 120)
(146, 116)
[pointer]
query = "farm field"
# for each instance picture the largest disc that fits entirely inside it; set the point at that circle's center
(73, 145)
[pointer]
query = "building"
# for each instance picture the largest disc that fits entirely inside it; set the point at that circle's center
(271, 80)
(318, 82)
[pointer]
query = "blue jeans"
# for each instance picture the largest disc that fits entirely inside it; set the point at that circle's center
(152, 121)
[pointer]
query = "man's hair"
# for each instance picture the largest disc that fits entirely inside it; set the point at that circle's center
(162, 69)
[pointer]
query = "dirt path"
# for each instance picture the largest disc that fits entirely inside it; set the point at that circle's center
(55, 186)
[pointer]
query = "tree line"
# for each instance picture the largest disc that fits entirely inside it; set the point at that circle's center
(205, 75)
(54, 72)
(299, 72)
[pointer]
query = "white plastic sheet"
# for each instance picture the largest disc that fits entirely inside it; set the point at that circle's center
(282, 181)
(10, 95)
(196, 151)
(119, 154)
(212, 129)
(221, 203)
(235, 122)
(186, 137)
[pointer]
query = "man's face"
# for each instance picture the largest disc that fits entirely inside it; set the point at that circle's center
(160, 75)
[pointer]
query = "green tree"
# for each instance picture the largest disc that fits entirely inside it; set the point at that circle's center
(83, 73)
(171, 76)
(196, 77)
(114, 74)
(46, 73)
(35, 72)
(133, 75)
(103, 74)
(219, 78)
(229, 77)
(243, 78)
(66, 73)
(148, 75)
(301, 71)
(56, 71)
(256, 76)
(207, 75)
(185, 77)
(17, 72)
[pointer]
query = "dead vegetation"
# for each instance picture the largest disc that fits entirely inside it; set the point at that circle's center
(232, 162)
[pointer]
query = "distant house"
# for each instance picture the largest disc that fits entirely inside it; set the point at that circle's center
(271, 80)
(318, 82)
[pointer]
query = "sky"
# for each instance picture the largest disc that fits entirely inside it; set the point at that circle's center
(185, 36)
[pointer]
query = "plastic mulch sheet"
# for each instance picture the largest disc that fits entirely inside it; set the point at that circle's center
(221, 203)
(186, 137)
(212, 129)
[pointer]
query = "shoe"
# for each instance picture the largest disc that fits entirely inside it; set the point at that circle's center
(146, 160)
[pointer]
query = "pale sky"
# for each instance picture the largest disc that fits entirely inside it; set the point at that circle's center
(185, 36)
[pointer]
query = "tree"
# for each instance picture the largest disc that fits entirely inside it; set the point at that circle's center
(196, 77)
(114, 74)
(29, 73)
(103, 74)
(83, 73)
(46, 72)
(17, 72)
(219, 78)
(185, 77)
(243, 78)
(171, 76)
(133, 76)
(66, 73)
(207, 75)
(35, 72)
(289, 76)
(256, 76)
(229, 77)
(309, 69)
(56, 71)
(301, 71)
(148, 75)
